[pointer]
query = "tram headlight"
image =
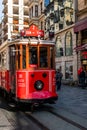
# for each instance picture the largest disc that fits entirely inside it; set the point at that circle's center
(38, 85)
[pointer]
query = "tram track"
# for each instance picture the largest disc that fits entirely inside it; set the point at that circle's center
(15, 115)
(41, 125)
(65, 119)
(33, 117)
(38, 123)
(68, 120)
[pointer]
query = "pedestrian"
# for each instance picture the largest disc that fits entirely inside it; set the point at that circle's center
(82, 78)
(59, 76)
(79, 71)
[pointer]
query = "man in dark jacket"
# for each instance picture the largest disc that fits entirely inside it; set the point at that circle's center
(59, 76)
(82, 78)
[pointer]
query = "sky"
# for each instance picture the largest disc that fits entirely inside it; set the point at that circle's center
(47, 2)
(1, 7)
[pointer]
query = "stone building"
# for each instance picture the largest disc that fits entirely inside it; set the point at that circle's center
(60, 19)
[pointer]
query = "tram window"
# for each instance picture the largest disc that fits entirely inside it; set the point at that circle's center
(43, 57)
(33, 55)
(24, 56)
(12, 64)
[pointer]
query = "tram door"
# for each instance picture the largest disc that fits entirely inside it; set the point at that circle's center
(12, 66)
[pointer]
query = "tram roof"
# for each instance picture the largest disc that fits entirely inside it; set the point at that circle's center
(32, 41)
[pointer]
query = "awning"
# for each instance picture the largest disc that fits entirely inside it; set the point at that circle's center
(81, 47)
(80, 25)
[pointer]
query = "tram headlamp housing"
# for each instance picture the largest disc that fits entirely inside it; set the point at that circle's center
(38, 85)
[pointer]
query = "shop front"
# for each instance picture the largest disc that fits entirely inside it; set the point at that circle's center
(81, 48)
(84, 59)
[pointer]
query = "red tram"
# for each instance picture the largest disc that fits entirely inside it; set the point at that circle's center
(27, 68)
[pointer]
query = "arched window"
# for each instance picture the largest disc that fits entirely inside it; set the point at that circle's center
(68, 44)
(59, 48)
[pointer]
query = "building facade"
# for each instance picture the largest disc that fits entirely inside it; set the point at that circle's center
(18, 15)
(36, 13)
(15, 18)
(81, 31)
(60, 19)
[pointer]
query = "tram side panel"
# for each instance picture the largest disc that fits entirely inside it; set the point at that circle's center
(21, 84)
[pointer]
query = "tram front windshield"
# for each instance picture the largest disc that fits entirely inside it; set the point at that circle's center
(40, 56)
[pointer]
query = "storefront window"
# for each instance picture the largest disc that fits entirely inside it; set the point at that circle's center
(68, 44)
(69, 70)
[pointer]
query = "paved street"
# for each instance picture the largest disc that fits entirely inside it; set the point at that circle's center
(73, 99)
(72, 103)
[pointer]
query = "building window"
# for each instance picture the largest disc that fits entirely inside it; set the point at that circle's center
(36, 10)
(69, 70)
(32, 11)
(84, 34)
(59, 48)
(41, 8)
(68, 44)
(41, 25)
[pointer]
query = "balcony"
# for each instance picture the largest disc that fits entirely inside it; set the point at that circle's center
(5, 19)
(4, 2)
(5, 10)
(5, 27)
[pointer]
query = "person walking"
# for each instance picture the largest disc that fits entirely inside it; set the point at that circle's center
(59, 76)
(82, 78)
